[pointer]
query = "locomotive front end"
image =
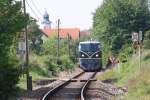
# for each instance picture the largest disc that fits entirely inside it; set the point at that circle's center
(90, 56)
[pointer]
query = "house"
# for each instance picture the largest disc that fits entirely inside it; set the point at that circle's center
(74, 33)
(85, 33)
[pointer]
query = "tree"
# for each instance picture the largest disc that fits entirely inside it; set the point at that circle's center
(35, 36)
(12, 21)
(114, 21)
(66, 60)
(147, 40)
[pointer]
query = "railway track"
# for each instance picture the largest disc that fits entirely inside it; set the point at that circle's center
(73, 89)
(84, 88)
(80, 87)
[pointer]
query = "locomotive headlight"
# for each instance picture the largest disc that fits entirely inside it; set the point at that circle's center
(96, 55)
(82, 55)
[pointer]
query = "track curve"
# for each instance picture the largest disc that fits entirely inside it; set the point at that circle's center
(70, 90)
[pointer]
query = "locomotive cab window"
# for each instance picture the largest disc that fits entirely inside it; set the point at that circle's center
(89, 47)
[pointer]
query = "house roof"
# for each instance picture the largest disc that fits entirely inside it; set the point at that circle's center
(85, 33)
(73, 32)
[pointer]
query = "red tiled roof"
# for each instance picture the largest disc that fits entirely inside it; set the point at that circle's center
(85, 33)
(74, 32)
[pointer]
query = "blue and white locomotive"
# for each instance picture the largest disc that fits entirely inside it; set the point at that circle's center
(90, 55)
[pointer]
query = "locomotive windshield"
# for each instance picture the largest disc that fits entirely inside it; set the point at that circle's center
(91, 47)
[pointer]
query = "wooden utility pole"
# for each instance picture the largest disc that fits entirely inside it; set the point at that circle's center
(58, 42)
(29, 79)
(69, 38)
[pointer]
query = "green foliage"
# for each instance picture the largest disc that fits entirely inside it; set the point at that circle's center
(9, 77)
(11, 22)
(139, 85)
(66, 59)
(85, 38)
(147, 39)
(147, 35)
(67, 62)
(110, 74)
(38, 67)
(114, 21)
(52, 66)
(147, 44)
(125, 52)
(132, 77)
(35, 36)
(35, 68)
(49, 47)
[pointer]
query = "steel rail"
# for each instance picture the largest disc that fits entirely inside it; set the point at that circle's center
(57, 88)
(82, 94)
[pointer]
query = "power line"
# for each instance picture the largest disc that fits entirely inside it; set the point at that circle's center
(32, 10)
(36, 7)
(37, 2)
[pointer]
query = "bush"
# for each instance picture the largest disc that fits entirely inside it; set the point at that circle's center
(52, 66)
(67, 63)
(66, 60)
(147, 40)
(147, 35)
(125, 52)
(9, 77)
(147, 44)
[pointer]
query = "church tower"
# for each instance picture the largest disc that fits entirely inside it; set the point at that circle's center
(46, 22)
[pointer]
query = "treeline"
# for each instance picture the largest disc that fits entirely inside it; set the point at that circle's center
(115, 20)
(12, 21)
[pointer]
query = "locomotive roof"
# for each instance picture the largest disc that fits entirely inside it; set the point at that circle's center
(87, 42)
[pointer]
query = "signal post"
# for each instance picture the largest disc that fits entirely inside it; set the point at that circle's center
(137, 43)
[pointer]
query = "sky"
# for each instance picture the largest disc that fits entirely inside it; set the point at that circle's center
(72, 13)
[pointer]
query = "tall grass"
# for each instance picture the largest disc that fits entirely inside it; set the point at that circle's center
(138, 84)
(135, 78)
(37, 69)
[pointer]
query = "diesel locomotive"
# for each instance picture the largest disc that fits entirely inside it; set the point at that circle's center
(90, 55)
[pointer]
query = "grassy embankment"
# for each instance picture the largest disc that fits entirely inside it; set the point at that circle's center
(38, 70)
(39, 66)
(135, 79)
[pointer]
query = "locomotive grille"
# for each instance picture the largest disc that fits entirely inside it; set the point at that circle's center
(89, 53)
